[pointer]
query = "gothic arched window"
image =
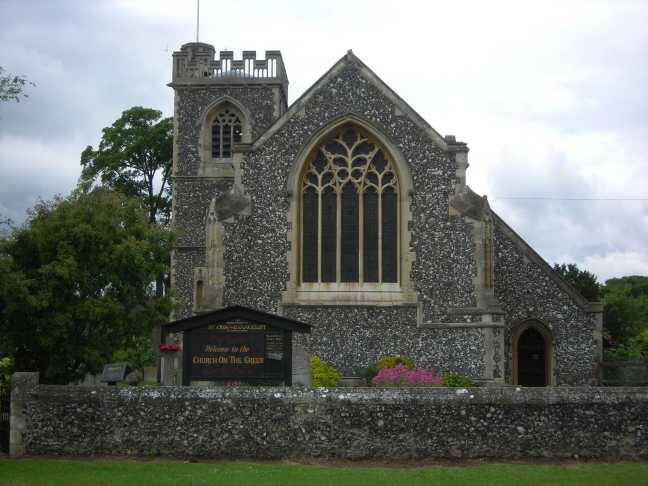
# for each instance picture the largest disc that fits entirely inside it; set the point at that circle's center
(349, 211)
(226, 130)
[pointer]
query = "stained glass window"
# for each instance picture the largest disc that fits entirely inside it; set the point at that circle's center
(349, 216)
(309, 234)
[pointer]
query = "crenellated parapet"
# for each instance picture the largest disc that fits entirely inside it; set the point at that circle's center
(196, 63)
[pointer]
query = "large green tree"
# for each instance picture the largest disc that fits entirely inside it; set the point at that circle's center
(626, 308)
(134, 157)
(585, 282)
(75, 283)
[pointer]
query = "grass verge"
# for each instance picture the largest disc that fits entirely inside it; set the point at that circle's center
(46, 472)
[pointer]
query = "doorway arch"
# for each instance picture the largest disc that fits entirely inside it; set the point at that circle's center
(532, 354)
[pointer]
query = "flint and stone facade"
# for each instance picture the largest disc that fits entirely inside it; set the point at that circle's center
(468, 286)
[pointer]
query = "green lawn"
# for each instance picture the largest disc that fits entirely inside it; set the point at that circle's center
(55, 472)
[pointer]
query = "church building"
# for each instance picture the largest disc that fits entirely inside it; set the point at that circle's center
(346, 210)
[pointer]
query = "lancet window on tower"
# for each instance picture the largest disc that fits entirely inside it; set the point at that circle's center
(349, 211)
(226, 131)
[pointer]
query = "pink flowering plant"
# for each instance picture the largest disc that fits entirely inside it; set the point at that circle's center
(169, 347)
(401, 376)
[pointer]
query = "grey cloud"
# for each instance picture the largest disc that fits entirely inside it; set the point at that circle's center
(559, 228)
(582, 74)
(87, 67)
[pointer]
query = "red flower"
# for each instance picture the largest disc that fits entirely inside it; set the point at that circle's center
(169, 347)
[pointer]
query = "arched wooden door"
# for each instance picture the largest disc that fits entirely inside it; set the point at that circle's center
(532, 356)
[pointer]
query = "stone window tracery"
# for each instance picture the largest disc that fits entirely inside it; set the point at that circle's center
(226, 130)
(349, 211)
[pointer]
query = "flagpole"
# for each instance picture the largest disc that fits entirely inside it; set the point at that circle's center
(197, 20)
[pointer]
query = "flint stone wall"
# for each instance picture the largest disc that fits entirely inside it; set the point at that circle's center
(444, 266)
(351, 423)
(525, 291)
(351, 337)
(625, 373)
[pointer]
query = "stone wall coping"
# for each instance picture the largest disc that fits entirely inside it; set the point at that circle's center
(491, 394)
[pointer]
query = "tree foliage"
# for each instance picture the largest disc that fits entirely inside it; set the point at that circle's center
(134, 157)
(137, 352)
(12, 87)
(582, 280)
(6, 369)
(625, 311)
(626, 308)
(75, 283)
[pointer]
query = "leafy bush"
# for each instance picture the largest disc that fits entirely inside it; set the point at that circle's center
(625, 352)
(392, 361)
(369, 372)
(625, 314)
(323, 374)
(79, 270)
(138, 353)
(401, 376)
(455, 380)
(642, 344)
(6, 368)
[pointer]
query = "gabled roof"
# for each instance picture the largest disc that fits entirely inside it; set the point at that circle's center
(236, 312)
(532, 255)
(471, 205)
(351, 59)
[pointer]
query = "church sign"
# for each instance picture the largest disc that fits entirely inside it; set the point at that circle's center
(228, 351)
(237, 344)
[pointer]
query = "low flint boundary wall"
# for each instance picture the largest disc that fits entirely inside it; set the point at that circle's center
(260, 423)
(628, 373)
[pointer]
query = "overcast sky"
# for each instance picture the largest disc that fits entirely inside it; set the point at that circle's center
(551, 97)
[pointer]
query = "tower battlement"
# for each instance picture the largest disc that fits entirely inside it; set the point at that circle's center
(196, 63)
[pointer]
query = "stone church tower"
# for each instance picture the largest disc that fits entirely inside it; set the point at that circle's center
(349, 212)
(220, 107)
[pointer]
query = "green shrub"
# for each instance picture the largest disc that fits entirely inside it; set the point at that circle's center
(642, 344)
(392, 361)
(625, 352)
(369, 372)
(323, 374)
(6, 368)
(455, 380)
(138, 353)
